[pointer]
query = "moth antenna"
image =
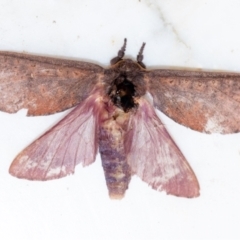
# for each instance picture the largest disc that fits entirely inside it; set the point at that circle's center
(140, 56)
(122, 50)
(120, 53)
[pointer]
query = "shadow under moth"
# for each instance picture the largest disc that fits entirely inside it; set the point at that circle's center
(114, 112)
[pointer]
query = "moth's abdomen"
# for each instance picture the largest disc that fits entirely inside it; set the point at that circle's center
(111, 147)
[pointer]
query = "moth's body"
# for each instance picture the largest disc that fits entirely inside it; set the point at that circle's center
(122, 88)
(113, 114)
(111, 146)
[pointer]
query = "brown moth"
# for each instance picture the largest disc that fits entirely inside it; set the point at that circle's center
(115, 113)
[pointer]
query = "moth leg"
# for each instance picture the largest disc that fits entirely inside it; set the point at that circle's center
(120, 53)
(140, 56)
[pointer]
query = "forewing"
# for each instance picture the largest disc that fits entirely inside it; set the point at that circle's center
(56, 153)
(204, 101)
(44, 85)
(155, 158)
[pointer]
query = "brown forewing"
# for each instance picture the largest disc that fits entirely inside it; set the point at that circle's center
(204, 101)
(44, 85)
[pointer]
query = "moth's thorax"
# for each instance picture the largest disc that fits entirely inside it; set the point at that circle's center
(125, 83)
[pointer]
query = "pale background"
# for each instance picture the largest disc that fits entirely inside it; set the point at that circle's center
(186, 33)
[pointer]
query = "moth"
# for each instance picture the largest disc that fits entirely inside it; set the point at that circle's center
(115, 113)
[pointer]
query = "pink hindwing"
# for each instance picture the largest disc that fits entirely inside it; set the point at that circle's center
(154, 157)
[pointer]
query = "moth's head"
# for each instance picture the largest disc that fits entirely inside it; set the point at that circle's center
(128, 64)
